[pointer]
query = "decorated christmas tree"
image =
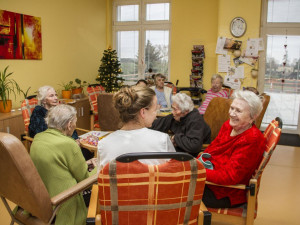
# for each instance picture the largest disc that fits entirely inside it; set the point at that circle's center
(109, 71)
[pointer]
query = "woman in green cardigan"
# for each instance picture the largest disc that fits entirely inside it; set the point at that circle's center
(60, 163)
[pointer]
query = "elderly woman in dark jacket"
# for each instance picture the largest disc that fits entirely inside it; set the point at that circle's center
(188, 128)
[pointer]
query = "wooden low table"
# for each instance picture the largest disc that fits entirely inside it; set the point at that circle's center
(93, 134)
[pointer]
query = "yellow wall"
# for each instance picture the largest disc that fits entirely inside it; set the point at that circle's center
(73, 40)
(201, 22)
(194, 22)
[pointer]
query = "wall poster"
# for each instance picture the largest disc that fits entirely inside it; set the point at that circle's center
(20, 36)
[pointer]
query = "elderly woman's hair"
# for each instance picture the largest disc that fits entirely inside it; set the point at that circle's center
(160, 75)
(142, 81)
(253, 89)
(129, 101)
(59, 116)
(254, 101)
(184, 102)
(42, 93)
(215, 76)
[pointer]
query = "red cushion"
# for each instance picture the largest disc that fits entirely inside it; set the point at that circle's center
(93, 92)
(27, 107)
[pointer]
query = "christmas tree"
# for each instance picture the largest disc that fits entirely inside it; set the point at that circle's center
(109, 71)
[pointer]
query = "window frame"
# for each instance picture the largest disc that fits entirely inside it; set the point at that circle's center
(141, 26)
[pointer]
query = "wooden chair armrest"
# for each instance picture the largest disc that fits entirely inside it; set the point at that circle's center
(27, 138)
(204, 217)
(83, 130)
(67, 194)
(205, 146)
(237, 186)
(93, 203)
(98, 220)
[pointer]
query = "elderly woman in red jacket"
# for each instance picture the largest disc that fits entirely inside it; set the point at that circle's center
(235, 153)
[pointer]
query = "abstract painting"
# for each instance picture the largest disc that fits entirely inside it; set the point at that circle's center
(20, 36)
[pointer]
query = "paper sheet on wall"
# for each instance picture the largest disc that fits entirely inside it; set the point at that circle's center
(235, 72)
(252, 47)
(234, 83)
(249, 61)
(220, 46)
(223, 63)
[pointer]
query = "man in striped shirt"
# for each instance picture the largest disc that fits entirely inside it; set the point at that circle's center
(215, 91)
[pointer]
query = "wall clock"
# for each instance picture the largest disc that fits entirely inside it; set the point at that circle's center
(238, 27)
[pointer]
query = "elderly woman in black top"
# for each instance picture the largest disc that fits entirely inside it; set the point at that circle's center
(188, 128)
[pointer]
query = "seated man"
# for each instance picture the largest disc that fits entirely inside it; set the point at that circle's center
(186, 124)
(215, 91)
(163, 93)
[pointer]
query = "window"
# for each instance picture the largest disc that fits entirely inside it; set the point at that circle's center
(280, 70)
(141, 34)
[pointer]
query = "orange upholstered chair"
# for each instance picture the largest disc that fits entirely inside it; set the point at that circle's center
(245, 214)
(27, 107)
(131, 192)
(93, 91)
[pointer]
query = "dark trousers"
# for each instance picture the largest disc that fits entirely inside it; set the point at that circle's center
(210, 200)
(87, 154)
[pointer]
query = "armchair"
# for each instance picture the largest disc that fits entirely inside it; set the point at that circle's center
(246, 213)
(93, 91)
(131, 192)
(109, 117)
(27, 107)
(21, 184)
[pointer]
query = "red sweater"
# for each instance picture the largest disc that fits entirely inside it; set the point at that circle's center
(235, 160)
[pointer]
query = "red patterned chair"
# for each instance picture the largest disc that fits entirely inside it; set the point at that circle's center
(93, 91)
(131, 192)
(246, 213)
(27, 107)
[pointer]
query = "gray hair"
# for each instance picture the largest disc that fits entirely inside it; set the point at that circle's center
(215, 76)
(42, 93)
(59, 116)
(184, 102)
(254, 101)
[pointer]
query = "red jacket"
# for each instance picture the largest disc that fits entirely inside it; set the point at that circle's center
(235, 160)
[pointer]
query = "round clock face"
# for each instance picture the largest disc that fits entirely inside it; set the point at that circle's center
(238, 27)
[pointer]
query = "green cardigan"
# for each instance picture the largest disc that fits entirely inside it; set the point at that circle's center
(61, 165)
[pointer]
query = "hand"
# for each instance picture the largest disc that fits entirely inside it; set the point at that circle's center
(92, 163)
(173, 140)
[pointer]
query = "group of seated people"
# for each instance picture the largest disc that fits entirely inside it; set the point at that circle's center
(233, 155)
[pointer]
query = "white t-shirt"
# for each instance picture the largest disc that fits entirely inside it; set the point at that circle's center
(127, 141)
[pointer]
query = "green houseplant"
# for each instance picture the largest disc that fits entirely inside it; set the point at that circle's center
(67, 90)
(78, 88)
(7, 86)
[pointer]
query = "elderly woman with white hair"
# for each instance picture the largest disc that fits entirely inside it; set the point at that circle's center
(215, 91)
(188, 128)
(59, 162)
(235, 153)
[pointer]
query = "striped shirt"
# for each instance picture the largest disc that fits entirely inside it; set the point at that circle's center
(209, 96)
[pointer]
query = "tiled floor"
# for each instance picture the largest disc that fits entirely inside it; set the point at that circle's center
(279, 198)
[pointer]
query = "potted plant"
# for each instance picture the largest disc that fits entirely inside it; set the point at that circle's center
(67, 90)
(7, 86)
(80, 84)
